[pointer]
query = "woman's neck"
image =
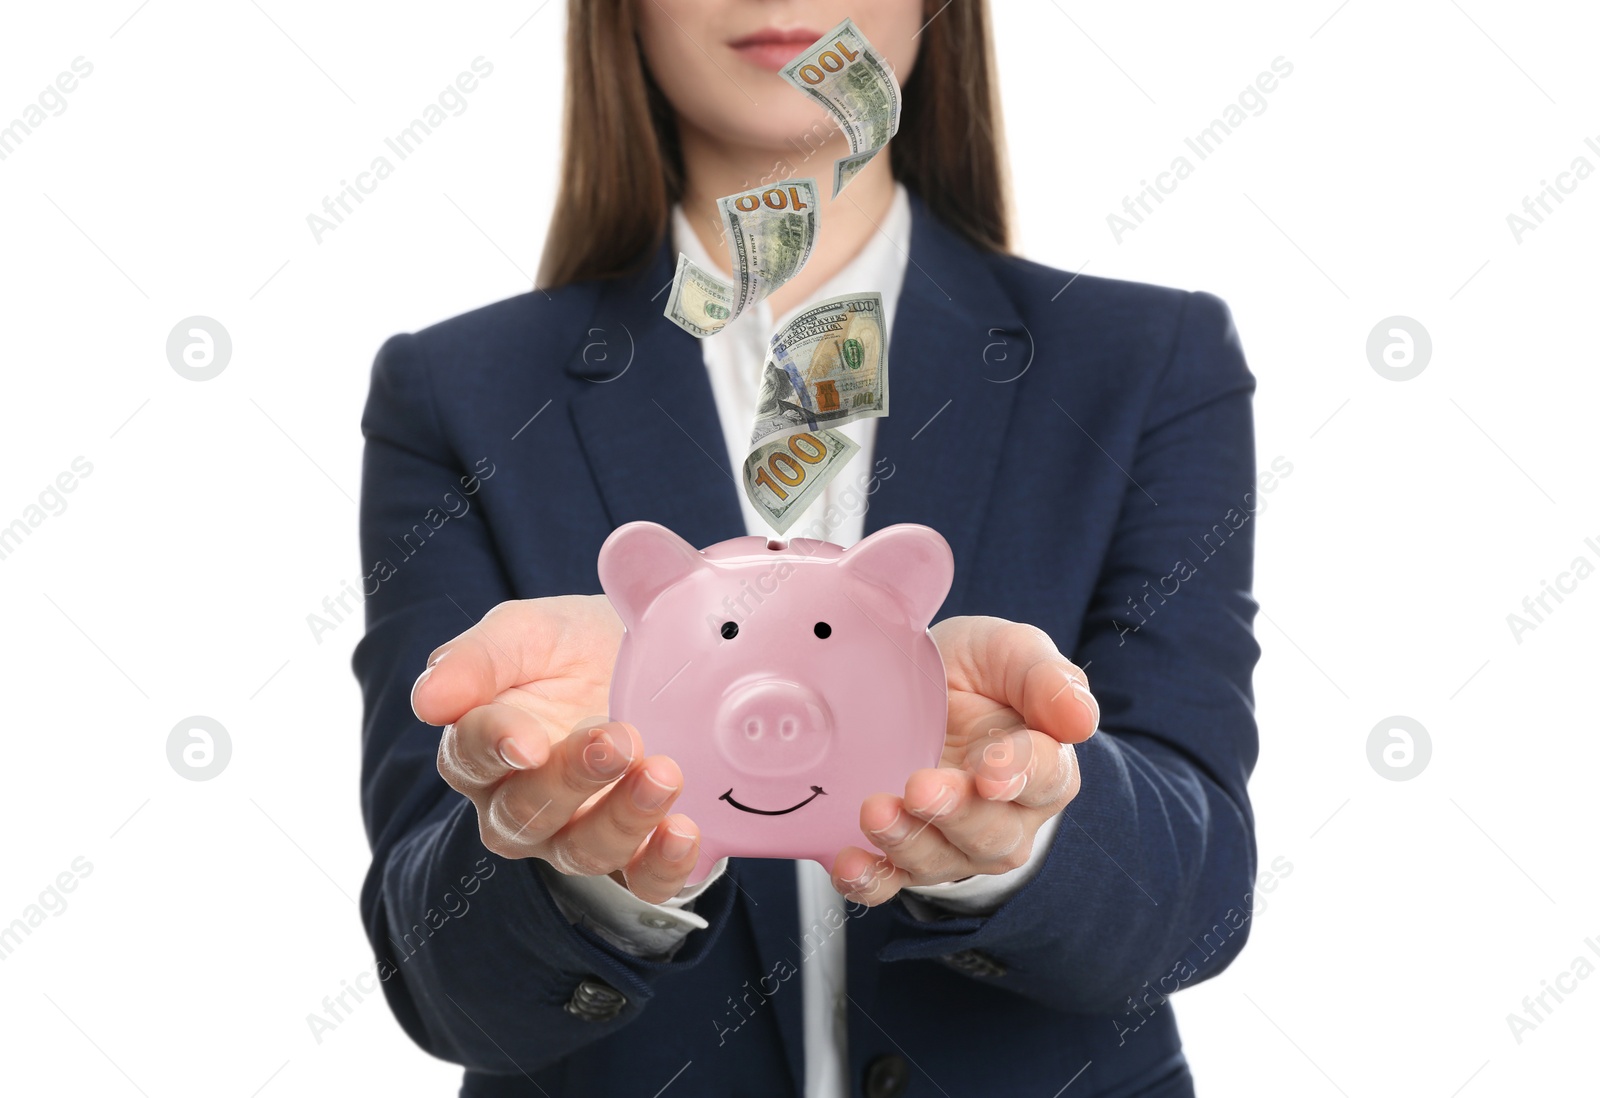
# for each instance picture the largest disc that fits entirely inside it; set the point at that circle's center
(713, 168)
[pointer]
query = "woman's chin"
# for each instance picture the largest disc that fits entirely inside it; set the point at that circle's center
(807, 143)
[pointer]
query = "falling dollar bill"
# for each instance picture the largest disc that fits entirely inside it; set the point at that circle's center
(700, 302)
(848, 78)
(827, 367)
(770, 231)
(783, 476)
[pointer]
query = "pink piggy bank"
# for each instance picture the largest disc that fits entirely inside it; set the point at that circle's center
(788, 681)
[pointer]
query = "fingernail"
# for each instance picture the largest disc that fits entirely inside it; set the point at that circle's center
(896, 832)
(1086, 699)
(433, 660)
(1011, 790)
(512, 755)
(855, 884)
(934, 805)
(608, 754)
(675, 846)
(649, 794)
(422, 678)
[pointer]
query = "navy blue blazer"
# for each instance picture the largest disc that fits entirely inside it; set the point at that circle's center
(1087, 451)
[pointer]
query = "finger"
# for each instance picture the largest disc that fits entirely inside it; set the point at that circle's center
(1053, 779)
(475, 667)
(869, 879)
(525, 809)
(1019, 666)
(658, 871)
(488, 743)
(1001, 763)
(946, 831)
(607, 835)
(1026, 768)
(944, 828)
(517, 642)
(915, 846)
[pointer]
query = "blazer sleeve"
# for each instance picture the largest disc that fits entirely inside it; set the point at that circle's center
(1147, 886)
(476, 959)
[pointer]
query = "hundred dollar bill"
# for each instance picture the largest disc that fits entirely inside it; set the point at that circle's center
(847, 77)
(771, 231)
(700, 302)
(784, 475)
(827, 367)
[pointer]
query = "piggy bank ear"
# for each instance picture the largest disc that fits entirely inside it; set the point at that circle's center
(638, 562)
(912, 562)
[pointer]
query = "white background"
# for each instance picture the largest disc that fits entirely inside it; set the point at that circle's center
(1419, 514)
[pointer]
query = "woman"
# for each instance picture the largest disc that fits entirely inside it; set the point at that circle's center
(1084, 445)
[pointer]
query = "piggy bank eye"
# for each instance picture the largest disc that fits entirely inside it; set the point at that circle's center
(730, 629)
(823, 630)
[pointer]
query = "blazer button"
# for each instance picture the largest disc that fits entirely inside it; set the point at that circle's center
(596, 1001)
(886, 1077)
(975, 963)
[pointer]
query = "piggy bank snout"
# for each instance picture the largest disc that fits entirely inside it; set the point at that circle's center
(774, 728)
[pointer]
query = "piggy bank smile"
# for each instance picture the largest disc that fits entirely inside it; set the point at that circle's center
(816, 791)
(767, 670)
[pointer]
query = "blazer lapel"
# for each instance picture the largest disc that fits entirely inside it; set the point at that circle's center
(957, 348)
(646, 418)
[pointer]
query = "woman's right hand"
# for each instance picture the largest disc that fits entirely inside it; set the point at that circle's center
(518, 695)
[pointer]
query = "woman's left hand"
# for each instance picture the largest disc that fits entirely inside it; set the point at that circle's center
(1016, 708)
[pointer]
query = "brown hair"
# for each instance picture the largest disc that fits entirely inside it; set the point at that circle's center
(618, 186)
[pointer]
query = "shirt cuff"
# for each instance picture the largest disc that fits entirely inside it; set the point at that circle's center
(650, 931)
(985, 893)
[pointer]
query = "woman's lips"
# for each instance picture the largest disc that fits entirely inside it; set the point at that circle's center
(773, 49)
